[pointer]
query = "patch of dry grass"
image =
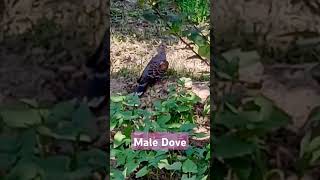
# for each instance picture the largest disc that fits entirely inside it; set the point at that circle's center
(129, 57)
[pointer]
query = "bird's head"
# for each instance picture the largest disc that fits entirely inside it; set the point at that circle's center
(162, 48)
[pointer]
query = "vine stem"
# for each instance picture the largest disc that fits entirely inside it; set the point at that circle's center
(181, 39)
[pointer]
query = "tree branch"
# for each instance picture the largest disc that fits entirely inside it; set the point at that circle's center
(186, 43)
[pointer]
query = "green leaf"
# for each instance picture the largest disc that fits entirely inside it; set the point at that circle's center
(142, 172)
(150, 16)
(118, 139)
(132, 100)
(314, 144)
(183, 109)
(176, 166)
(315, 156)
(93, 158)
(61, 111)
(163, 163)
(20, 118)
(6, 161)
(117, 99)
(82, 173)
(82, 117)
(163, 118)
(197, 38)
(57, 163)
(314, 114)
(189, 166)
(304, 144)
(266, 107)
(204, 51)
(11, 144)
(230, 146)
(28, 141)
(30, 102)
(131, 166)
(25, 169)
(185, 177)
(115, 174)
(187, 127)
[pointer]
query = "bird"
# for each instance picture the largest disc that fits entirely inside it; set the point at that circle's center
(98, 65)
(154, 71)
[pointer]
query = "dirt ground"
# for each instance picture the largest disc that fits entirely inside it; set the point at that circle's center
(47, 75)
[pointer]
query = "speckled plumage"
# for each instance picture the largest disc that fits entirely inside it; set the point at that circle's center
(154, 71)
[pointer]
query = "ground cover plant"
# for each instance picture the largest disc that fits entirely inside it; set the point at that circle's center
(172, 106)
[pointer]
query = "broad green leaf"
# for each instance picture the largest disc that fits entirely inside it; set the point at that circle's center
(230, 146)
(314, 144)
(163, 163)
(189, 166)
(197, 38)
(163, 118)
(131, 166)
(60, 112)
(176, 166)
(183, 108)
(204, 177)
(7, 159)
(81, 173)
(10, 142)
(67, 131)
(31, 102)
(304, 144)
(25, 170)
(315, 156)
(142, 172)
(204, 51)
(57, 163)
(82, 117)
(121, 158)
(132, 100)
(117, 99)
(20, 118)
(28, 141)
(230, 120)
(93, 158)
(185, 177)
(187, 127)
(314, 114)
(118, 139)
(115, 174)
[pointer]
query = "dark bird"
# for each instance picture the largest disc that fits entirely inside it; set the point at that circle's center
(98, 65)
(154, 71)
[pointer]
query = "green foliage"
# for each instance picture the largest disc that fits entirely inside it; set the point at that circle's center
(173, 114)
(196, 10)
(309, 156)
(182, 19)
(28, 131)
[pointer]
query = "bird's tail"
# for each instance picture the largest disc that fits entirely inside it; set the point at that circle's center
(141, 89)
